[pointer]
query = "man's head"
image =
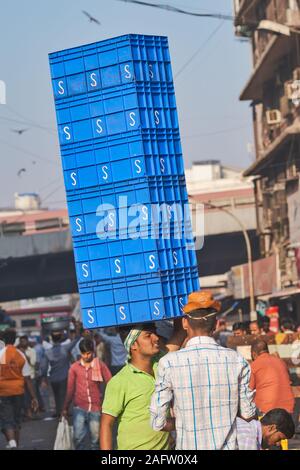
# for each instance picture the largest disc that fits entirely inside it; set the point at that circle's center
(239, 329)
(140, 341)
(254, 328)
(23, 342)
(258, 347)
(57, 336)
(86, 347)
(277, 424)
(200, 314)
(9, 336)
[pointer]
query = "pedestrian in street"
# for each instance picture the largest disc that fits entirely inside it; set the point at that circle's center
(30, 355)
(206, 384)
(239, 329)
(221, 332)
(128, 394)
(85, 379)
(14, 373)
(40, 360)
(56, 366)
(270, 380)
(265, 326)
(275, 426)
(102, 351)
(116, 348)
(255, 329)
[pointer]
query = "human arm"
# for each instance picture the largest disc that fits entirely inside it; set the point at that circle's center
(106, 431)
(247, 409)
(178, 336)
(113, 406)
(70, 391)
(34, 402)
(106, 374)
(252, 383)
(162, 398)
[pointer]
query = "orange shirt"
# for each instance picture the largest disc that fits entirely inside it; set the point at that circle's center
(13, 368)
(270, 378)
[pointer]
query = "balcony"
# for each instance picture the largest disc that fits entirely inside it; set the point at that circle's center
(269, 55)
(275, 141)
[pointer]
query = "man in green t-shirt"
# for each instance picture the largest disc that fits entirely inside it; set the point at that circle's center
(128, 393)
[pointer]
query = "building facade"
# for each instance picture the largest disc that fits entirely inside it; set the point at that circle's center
(273, 29)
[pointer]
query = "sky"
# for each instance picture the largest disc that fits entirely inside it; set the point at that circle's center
(214, 124)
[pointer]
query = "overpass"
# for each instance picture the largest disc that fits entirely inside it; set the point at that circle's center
(36, 254)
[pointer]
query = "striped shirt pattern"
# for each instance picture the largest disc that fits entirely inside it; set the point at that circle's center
(206, 384)
(249, 435)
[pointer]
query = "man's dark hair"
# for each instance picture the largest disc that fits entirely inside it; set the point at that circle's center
(202, 321)
(282, 419)
(9, 336)
(86, 345)
(24, 337)
(239, 326)
(259, 346)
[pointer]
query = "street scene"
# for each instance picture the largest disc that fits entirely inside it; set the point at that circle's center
(150, 226)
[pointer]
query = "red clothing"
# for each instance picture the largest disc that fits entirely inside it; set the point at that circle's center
(270, 378)
(82, 390)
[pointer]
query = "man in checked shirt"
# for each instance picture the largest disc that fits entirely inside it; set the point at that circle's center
(207, 384)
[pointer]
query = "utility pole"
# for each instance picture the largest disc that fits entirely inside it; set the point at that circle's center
(253, 313)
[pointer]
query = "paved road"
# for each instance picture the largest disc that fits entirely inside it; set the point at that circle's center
(36, 434)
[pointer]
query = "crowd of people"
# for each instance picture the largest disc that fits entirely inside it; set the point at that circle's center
(143, 387)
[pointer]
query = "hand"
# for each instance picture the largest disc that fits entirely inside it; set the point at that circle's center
(64, 414)
(44, 384)
(34, 404)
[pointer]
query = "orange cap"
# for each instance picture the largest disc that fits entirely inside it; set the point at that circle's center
(201, 300)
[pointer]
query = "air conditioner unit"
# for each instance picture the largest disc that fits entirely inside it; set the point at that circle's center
(273, 117)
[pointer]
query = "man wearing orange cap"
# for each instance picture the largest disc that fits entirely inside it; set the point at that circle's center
(207, 384)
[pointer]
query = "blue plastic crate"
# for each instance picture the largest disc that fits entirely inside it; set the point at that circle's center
(137, 300)
(115, 112)
(109, 63)
(124, 258)
(148, 154)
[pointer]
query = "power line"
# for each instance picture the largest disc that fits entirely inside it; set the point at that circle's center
(50, 194)
(173, 9)
(27, 152)
(221, 131)
(199, 49)
(27, 123)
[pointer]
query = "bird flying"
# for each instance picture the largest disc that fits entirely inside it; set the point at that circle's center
(90, 17)
(22, 170)
(19, 131)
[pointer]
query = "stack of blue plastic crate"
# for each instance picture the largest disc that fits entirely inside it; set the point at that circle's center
(124, 178)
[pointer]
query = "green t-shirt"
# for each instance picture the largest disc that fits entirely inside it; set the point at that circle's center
(127, 396)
